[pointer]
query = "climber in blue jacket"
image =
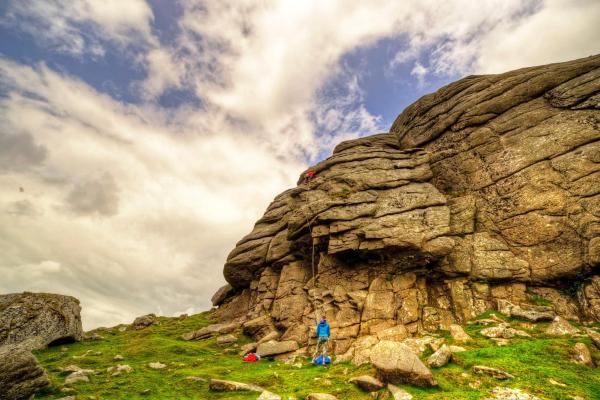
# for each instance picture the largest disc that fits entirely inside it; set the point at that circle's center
(323, 333)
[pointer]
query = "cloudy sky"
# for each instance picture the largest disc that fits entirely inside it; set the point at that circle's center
(140, 139)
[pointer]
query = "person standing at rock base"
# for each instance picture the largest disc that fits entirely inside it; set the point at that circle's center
(323, 333)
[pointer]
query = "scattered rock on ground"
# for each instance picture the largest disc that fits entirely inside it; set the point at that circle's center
(274, 347)
(496, 373)
(561, 327)
(144, 321)
(582, 355)
(367, 382)
(21, 376)
(399, 394)
(195, 379)
(456, 349)
(396, 363)
(503, 332)
(510, 394)
(440, 358)
(220, 385)
(320, 396)
(157, 365)
(529, 312)
(248, 348)
(118, 357)
(211, 330)
(266, 395)
(459, 334)
(226, 339)
(79, 376)
(594, 336)
(93, 336)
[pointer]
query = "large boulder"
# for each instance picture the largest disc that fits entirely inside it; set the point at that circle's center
(36, 320)
(273, 347)
(483, 195)
(145, 321)
(396, 363)
(21, 376)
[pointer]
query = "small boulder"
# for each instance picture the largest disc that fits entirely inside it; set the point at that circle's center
(456, 349)
(274, 347)
(561, 327)
(582, 355)
(266, 395)
(144, 321)
(221, 295)
(211, 330)
(529, 312)
(248, 348)
(459, 334)
(493, 372)
(368, 383)
(226, 339)
(396, 363)
(273, 335)
(503, 332)
(594, 336)
(399, 394)
(157, 365)
(440, 358)
(320, 396)
(220, 385)
(118, 357)
(124, 368)
(510, 394)
(21, 376)
(79, 376)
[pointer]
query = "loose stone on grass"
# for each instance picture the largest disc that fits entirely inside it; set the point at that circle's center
(220, 385)
(399, 394)
(493, 372)
(367, 382)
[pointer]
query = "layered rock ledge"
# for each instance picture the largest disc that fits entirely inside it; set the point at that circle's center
(483, 194)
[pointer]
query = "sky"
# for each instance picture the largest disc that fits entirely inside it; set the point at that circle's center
(141, 139)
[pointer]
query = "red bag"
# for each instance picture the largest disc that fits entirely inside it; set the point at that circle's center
(250, 357)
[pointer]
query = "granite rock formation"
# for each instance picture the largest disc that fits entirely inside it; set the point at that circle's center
(36, 320)
(484, 192)
(21, 375)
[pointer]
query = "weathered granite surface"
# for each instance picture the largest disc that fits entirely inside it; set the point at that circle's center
(484, 194)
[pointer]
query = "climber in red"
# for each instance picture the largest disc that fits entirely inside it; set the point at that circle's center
(310, 174)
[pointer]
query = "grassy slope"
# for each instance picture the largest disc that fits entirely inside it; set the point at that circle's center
(532, 361)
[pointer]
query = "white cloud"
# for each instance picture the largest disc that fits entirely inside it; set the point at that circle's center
(488, 36)
(81, 27)
(185, 196)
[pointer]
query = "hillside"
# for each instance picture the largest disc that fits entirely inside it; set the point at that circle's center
(533, 362)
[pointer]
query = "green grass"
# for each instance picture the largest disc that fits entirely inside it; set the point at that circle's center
(532, 361)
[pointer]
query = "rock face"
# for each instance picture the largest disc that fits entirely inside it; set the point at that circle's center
(36, 320)
(484, 194)
(21, 375)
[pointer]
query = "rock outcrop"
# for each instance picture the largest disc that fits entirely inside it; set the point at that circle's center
(21, 375)
(36, 320)
(483, 195)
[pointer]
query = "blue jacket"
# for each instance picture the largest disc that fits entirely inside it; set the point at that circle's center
(323, 330)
